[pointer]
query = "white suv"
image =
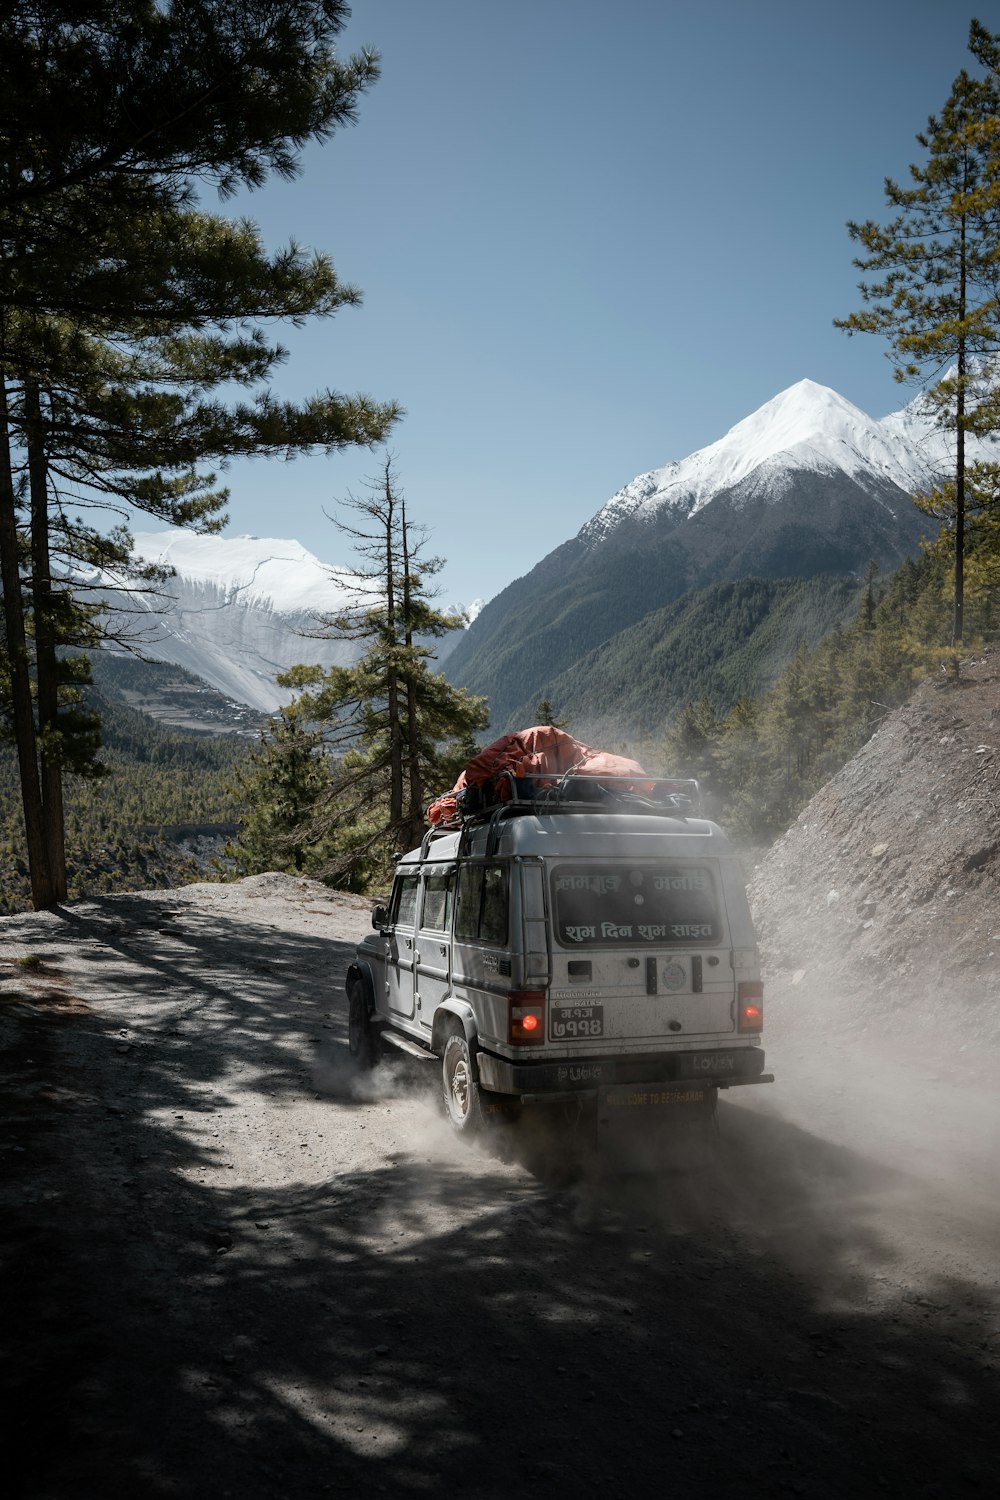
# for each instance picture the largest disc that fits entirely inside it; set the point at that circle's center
(565, 949)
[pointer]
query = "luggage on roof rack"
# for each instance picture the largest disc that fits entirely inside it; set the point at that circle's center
(546, 765)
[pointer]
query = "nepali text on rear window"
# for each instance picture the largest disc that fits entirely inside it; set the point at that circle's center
(635, 904)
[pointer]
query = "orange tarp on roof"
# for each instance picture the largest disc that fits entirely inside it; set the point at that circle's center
(540, 751)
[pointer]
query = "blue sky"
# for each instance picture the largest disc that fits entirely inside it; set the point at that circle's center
(590, 239)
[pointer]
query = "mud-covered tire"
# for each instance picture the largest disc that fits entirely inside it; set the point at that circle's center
(362, 1038)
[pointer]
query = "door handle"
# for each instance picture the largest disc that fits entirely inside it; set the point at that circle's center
(444, 950)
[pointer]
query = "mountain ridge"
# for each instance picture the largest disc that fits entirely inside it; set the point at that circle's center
(809, 422)
(726, 641)
(237, 612)
(806, 485)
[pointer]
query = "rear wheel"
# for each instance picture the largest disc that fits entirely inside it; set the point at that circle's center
(459, 1086)
(362, 1039)
(472, 1109)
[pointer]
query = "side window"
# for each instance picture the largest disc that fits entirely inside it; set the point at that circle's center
(437, 900)
(481, 912)
(493, 922)
(404, 901)
(470, 894)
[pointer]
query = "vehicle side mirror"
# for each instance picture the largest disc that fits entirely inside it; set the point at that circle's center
(380, 917)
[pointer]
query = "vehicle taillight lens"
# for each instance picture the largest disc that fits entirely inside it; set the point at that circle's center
(750, 1006)
(526, 1010)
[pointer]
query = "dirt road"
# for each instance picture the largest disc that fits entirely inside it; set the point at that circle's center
(232, 1269)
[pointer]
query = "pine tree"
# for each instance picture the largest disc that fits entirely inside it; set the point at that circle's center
(981, 514)
(546, 714)
(932, 291)
(395, 732)
(280, 786)
(743, 770)
(690, 746)
(120, 307)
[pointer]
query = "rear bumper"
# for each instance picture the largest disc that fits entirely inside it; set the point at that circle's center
(718, 1068)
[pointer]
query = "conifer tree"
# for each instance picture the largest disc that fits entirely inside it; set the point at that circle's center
(690, 745)
(118, 302)
(395, 732)
(280, 787)
(742, 763)
(930, 286)
(546, 714)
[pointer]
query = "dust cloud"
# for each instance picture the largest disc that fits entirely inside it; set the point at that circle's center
(869, 1168)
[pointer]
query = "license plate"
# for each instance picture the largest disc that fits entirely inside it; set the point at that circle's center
(569, 1022)
(641, 1097)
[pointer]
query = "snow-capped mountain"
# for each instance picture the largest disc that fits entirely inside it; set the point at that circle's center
(807, 428)
(807, 485)
(237, 611)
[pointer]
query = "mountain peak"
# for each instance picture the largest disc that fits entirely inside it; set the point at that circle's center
(804, 415)
(275, 570)
(805, 428)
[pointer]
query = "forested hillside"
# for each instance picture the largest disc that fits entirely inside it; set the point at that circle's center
(170, 695)
(164, 797)
(589, 590)
(729, 641)
(761, 761)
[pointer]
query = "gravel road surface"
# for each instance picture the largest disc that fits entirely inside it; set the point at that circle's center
(232, 1267)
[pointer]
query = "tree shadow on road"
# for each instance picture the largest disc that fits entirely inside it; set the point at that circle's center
(434, 1326)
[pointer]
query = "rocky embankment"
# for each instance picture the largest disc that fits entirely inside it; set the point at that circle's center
(884, 893)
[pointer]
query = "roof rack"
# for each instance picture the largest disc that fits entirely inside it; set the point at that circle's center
(571, 792)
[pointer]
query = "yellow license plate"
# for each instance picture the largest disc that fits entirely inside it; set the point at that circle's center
(640, 1097)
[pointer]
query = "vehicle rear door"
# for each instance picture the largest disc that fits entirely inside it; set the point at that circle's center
(642, 953)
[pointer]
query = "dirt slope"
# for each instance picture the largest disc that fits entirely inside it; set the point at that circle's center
(885, 895)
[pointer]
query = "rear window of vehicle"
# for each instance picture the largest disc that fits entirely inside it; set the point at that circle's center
(481, 911)
(605, 905)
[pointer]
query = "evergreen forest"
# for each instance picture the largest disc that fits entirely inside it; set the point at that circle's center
(171, 802)
(761, 759)
(164, 795)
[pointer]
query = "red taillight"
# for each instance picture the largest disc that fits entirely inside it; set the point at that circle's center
(750, 1006)
(526, 1012)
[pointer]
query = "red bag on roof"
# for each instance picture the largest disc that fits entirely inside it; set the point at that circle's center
(528, 752)
(601, 763)
(540, 751)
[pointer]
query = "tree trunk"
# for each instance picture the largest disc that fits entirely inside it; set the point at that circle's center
(415, 808)
(42, 891)
(46, 661)
(958, 625)
(392, 676)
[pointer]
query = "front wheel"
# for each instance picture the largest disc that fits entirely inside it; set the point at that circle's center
(362, 1040)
